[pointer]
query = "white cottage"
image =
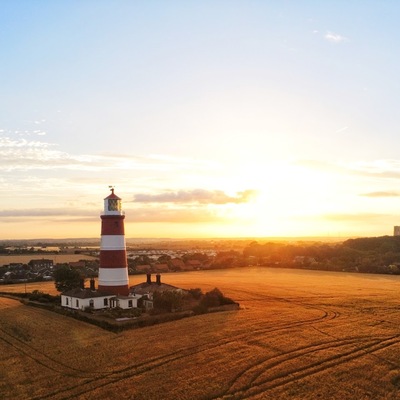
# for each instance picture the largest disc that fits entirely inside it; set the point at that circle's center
(79, 299)
(125, 302)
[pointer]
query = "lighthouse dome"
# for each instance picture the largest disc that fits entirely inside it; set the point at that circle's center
(112, 204)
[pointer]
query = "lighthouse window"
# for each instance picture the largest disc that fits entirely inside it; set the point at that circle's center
(114, 205)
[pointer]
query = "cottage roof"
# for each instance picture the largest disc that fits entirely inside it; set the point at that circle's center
(144, 287)
(85, 293)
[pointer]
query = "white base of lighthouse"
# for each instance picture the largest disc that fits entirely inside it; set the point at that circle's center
(113, 277)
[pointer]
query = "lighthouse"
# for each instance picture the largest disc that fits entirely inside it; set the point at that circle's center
(113, 271)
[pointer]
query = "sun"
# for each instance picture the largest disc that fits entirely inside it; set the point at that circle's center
(288, 200)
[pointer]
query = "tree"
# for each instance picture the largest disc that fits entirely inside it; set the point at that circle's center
(169, 300)
(66, 278)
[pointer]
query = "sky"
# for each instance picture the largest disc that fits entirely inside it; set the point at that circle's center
(210, 118)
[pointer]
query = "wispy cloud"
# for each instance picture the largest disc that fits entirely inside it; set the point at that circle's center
(319, 165)
(334, 37)
(358, 217)
(377, 168)
(45, 212)
(200, 196)
(381, 194)
(176, 215)
(384, 169)
(160, 214)
(23, 154)
(342, 129)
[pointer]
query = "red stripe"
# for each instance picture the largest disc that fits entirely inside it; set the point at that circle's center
(112, 225)
(122, 290)
(113, 259)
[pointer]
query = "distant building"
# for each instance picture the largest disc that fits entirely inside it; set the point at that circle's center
(143, 268)
(77, 264)
(396, 231)
(161, 267)
(177, 264)
(43, 263)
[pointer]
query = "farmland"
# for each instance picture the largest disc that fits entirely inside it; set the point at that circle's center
(299, 335)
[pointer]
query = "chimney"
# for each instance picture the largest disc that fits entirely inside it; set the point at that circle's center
(148, 279)
(158, 279)
(92, 284)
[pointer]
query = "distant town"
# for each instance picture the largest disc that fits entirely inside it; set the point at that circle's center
(29, 261)
(36, 260)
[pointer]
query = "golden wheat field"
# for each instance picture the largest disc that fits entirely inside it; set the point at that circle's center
(298, 335)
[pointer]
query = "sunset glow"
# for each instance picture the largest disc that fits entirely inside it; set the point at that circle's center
(210, 119)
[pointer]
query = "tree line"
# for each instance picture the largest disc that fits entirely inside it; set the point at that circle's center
(371, 254)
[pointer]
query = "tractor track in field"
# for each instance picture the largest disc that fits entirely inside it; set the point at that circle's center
(136, 369)
(42, 358)
(252, 381)
(90, 381)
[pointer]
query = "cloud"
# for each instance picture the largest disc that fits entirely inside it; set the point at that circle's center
(8, 143)
(385, 169)
(342, 129)
(200, 196)
(358, 217)
(335, 37)
(29, 154)
(176, 215)
(23, 154)
(44, 212)
(377, 168)
(381, 194)
(146, 214)
(319, 165)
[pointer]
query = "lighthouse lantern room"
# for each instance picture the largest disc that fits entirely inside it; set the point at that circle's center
(113, 271)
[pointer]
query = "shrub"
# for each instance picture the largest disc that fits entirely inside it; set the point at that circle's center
(215, 298)
(200, 309)
(196, 293)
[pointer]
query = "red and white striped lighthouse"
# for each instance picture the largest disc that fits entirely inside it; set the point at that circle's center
(113, 271)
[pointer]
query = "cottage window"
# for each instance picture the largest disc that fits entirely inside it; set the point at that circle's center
(106, 302)
(130, 303)
(66, 301)
(91, 303)
(77, 303)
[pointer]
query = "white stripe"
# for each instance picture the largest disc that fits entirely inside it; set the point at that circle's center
(113, 276)
(112, 242)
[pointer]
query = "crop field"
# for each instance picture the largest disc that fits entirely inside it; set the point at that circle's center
(298, 335)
